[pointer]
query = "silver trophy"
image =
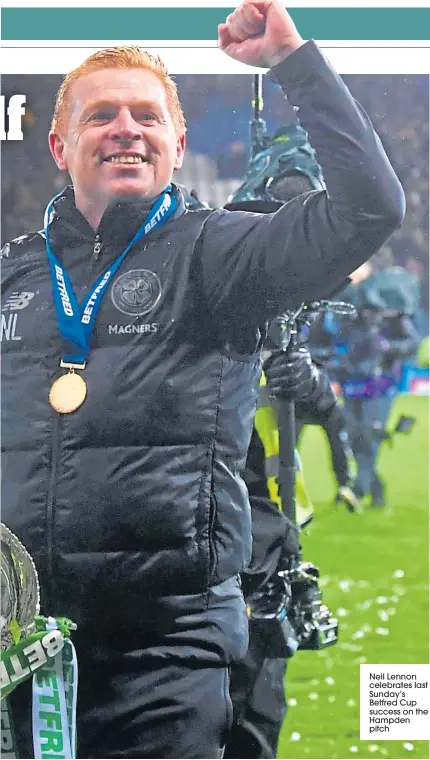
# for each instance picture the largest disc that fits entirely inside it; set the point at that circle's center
(20, 600)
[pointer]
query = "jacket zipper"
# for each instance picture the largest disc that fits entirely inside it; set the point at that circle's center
(50, 510)
(95, 258)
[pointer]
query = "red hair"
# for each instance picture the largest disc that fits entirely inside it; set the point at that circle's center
(125, 57)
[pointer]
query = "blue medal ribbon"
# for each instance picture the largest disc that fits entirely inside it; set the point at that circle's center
(76, 322)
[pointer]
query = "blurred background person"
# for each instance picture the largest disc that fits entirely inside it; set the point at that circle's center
(372, 348)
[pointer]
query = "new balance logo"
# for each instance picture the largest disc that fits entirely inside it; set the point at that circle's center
(17, 301)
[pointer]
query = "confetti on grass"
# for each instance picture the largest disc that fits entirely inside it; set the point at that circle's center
(342, 612)
(362, 606)
(383, 615)
(350, 647)
(345, 585)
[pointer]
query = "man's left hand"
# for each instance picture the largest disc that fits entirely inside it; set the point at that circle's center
(259, 33)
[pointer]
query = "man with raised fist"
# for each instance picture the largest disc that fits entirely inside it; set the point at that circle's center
(129, 400)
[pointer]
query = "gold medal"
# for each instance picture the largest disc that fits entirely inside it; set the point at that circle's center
(67, 393)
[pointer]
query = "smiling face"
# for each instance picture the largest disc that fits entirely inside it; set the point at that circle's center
(120, 139)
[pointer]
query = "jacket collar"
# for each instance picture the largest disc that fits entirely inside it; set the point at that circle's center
(68, 227)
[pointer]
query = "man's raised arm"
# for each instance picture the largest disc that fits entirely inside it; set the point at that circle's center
(307, 248)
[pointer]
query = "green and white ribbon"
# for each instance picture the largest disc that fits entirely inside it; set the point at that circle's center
(54, 703)
(21, 661)
(48, 655)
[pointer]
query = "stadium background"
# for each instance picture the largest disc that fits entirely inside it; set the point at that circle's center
(218, 110)
(374, 567)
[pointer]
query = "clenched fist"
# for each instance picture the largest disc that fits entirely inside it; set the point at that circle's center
(260, 33)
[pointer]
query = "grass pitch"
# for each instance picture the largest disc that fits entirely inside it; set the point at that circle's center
(374, 575)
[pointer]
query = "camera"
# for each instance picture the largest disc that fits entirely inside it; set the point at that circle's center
(289, 615)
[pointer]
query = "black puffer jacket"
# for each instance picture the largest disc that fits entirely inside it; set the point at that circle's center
(133, 506)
